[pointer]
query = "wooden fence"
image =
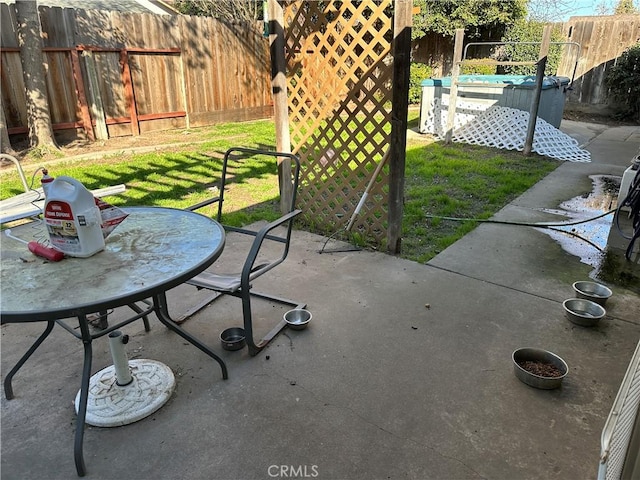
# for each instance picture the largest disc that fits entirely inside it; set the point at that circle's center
(602, 40)
(113, 73)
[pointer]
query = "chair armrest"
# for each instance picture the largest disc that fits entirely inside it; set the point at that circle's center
(248, 271)
(276, 223)
(203, 204)
(264, 231)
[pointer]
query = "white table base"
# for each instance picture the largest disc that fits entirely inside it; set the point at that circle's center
(111, 405)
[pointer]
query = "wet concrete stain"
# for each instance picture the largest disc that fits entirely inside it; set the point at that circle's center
(588, 240)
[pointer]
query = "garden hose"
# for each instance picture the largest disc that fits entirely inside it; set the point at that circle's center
(548, 226)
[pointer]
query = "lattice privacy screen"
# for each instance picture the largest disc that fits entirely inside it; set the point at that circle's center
(339, 72)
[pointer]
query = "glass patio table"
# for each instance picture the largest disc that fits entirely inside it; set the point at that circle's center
(153, 250)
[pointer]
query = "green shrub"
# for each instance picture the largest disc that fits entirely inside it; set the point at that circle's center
(530, 31)
(418, 73)
(478, 66)
(623, 80)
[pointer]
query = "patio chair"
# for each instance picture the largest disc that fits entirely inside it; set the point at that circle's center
(274, 234)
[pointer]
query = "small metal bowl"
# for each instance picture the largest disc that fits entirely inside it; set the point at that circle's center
(583, 312)
(233, 338)
(298, 319)
(542, 356)
(592, 291)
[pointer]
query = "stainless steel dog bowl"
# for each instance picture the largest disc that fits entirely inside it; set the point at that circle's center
(298, 318)
(540, 356)
(233, 338)
(583, 312)
(592, 291)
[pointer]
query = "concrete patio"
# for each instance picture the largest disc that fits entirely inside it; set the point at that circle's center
(404, 373)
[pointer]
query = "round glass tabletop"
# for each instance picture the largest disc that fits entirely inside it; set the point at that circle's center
(152, 250)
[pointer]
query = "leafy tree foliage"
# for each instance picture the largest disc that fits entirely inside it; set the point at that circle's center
(531, 33)
(623, 80)
(475, 16)
(625, 7)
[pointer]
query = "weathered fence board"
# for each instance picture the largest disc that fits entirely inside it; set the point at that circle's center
(13, 92)
(61, 87)
(59, 25)
(602, 40)
(180, 71)
(8, 26)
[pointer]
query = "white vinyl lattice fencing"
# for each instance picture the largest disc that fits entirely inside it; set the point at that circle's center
(505, 128)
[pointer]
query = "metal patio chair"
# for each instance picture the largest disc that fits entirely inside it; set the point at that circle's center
(275, 233)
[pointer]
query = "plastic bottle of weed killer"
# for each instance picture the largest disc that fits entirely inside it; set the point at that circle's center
(72, 218)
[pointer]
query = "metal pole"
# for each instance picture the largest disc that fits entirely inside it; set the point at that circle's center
(16, 162)
(119, 356)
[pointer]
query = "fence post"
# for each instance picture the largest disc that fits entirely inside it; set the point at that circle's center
(127, 82)
(280, 103)
(402, 10)
(453, 90)
(82, 96)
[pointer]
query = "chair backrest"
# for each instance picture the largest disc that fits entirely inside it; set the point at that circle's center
(241, 167)
(237, 170)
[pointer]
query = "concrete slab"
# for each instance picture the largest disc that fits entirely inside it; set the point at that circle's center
(619, 134)
(582, 132)
(404, 372)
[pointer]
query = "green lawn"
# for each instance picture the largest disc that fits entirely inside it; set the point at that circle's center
(453, 181)
(460, 181)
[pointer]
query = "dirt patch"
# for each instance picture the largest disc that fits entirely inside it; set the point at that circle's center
(83, 147)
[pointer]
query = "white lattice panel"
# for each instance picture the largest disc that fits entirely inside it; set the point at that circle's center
(504, 128)
(439, 109)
